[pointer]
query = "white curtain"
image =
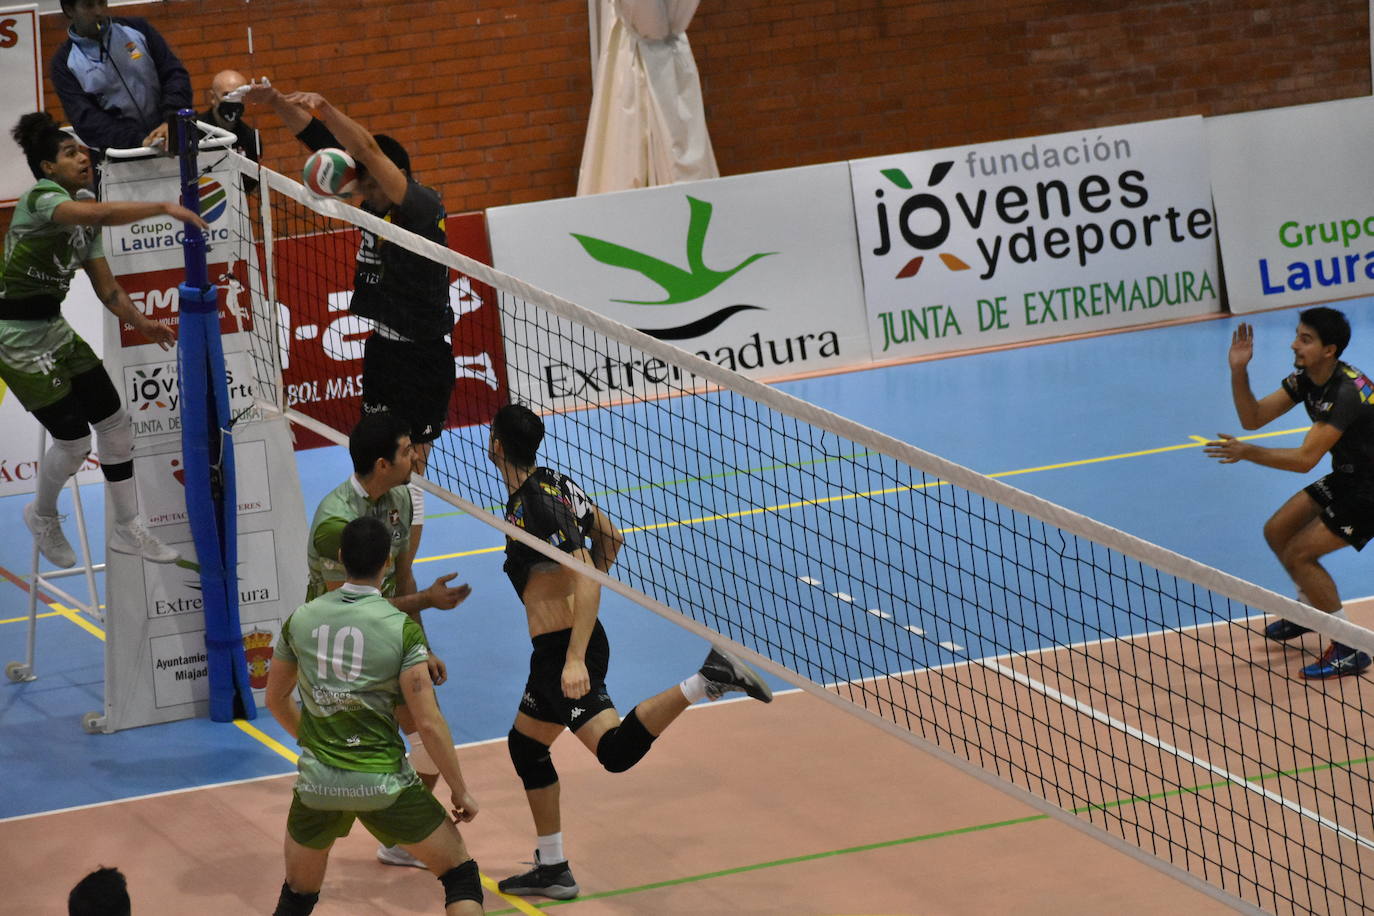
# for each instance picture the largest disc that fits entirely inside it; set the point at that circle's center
(647, 125)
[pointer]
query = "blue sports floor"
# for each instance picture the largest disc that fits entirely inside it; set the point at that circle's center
(1110, 427)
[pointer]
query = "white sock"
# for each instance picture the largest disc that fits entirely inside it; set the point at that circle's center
(123, 500)
(551, 849)
(694, 688)
(1340, 612)
(1302, 597)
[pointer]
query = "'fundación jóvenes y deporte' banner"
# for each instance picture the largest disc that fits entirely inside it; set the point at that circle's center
(1039, 237)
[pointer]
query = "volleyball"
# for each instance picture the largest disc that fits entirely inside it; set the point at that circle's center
(331, 173)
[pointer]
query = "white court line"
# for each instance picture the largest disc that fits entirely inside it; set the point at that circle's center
(1121, 726)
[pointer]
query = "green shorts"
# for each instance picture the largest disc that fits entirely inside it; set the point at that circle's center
(412, 817)
(39, 359)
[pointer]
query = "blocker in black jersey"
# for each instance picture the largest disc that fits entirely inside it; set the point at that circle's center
(1335, 511)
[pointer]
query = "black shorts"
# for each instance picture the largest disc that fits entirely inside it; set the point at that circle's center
(1347, 505)
(412, 380)
(544, 700)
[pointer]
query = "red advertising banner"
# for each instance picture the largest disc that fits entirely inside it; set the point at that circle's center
(322, 344)
(154, 293)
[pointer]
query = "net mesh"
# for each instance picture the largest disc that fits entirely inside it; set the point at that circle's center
(1118, 682)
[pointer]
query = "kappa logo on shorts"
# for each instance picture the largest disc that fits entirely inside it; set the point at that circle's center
(529, 700)
(577, 711)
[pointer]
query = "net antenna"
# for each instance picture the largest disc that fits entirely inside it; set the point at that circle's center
(1103, 680)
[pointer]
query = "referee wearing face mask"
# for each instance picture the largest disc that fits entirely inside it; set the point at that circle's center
(227, 114)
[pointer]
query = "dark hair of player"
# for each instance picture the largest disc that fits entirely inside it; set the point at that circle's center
(394, 151)
(1331, 326)
(103, 892)
(376, 436)
(519, 430)
(40, 138)
(364, 546)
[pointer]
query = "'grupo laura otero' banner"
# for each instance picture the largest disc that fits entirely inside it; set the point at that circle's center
(757, 273)
(1295, 205)
(1039, 237)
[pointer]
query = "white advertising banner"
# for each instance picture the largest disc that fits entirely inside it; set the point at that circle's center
(1039, 237)
(757, 273)
(1295, 205)
(21, 73)
(155, 661)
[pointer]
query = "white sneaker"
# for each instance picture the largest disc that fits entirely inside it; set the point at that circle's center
(47, 533)
(135, 539)
(395, 855)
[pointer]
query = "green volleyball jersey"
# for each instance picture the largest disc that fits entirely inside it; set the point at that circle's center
(41, 256)
(350, 647)
(340, 506)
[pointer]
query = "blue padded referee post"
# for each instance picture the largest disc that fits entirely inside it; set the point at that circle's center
(208, 455)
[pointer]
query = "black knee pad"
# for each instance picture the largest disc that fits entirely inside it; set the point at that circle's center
(291, 903)
(462, 882)
(532, 761)
(625, 745)
(96, 394)
(65, 419)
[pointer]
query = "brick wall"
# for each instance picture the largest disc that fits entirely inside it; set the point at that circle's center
(491, 96)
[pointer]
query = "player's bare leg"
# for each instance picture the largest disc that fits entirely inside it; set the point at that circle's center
(445, 854)
(1282, 527)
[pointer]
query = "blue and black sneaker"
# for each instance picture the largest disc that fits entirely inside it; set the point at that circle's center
(1284, 630)
(1337, 661)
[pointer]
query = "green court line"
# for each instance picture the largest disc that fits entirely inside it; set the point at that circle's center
(684, 480)
(958, 831)
(793, 860)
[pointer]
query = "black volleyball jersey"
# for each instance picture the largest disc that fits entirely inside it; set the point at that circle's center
(396, 287)
(1346, 402)
(392, 285)
(553, 508)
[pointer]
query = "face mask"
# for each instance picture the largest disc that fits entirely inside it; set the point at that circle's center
(230, 111)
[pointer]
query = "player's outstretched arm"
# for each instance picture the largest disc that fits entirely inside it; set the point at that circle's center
(120, 212)
(294, 117)
(1319, 440)
(438, 740)
(281, 687)
(114, 297)
(359, 142)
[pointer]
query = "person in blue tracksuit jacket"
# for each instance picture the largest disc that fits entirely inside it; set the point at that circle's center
(117, 78)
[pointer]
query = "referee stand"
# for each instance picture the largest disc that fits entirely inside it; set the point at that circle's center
(26, 670)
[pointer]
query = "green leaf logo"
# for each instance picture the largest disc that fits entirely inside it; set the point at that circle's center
(679, 284)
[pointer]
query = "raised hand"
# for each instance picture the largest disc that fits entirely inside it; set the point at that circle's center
(1242, 346)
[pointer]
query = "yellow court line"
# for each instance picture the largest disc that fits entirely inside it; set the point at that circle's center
(76, 618)
(274, 745)
(25, 618)
(271, 743)
(516, 902)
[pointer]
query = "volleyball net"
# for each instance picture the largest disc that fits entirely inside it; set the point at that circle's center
(1109, 682)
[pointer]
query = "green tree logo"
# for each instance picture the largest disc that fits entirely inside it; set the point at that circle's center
(681, 285)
